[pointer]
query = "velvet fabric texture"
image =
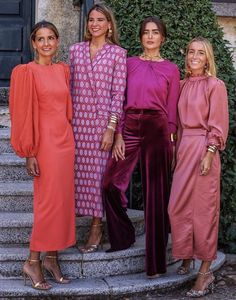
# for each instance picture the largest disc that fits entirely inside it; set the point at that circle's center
(146, 136)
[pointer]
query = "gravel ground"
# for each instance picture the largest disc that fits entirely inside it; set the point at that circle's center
(225, 286)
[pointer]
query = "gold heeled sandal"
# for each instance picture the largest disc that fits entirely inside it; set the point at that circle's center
(93, 247)
(61, 280)
(201, 293)
(35, 285)
(182, 270)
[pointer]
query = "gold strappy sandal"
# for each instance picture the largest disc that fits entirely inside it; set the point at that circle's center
(61, 280)
(201, 293)
(182, 270)
(35, 285)
(94, 247)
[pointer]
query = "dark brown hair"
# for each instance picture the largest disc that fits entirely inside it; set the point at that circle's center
(160, 25)
(43, 24)
(107, 12)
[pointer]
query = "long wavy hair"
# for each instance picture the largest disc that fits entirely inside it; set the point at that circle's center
(107, 12)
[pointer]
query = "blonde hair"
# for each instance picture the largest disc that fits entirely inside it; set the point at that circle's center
(210, 68)
(111, 38)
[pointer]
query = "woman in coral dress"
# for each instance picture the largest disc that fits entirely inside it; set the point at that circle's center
(195, 195)
(41, 111)
(98, 80)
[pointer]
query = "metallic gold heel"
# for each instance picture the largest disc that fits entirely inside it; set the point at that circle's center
(182, 270)
(201, 293)
(94, 247)
(37, 285)
(61, 280)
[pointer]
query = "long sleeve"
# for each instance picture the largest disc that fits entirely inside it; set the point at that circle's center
(172, 100)
(69, 111)
(218, 121)
(23, 104)
(72, 68)
(118, 84)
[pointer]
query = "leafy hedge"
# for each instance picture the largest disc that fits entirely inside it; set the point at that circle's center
(185, 20)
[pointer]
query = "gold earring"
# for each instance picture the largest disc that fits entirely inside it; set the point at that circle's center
(109, 35)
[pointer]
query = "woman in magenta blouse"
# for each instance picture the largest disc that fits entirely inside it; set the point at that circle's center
(146, 132)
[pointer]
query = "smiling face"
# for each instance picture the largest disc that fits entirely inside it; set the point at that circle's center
(98, 24)
(196, 58)
(45, 43)
(151, 38)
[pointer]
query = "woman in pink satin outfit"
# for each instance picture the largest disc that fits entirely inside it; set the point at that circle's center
(194, 205)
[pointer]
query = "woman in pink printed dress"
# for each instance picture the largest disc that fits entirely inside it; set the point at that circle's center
(98, 80)
(195, 194)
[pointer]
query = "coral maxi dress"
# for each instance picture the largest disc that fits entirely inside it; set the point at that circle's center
(40, 108)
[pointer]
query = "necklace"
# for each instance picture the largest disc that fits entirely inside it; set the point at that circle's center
(150, 57)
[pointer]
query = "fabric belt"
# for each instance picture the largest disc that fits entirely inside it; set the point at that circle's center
(194, 131)
(142, 111)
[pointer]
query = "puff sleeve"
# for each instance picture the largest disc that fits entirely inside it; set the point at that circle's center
(24, 112)
(218, 121)
(69, 110)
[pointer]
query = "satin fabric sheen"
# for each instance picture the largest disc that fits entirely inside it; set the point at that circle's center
(195, 200)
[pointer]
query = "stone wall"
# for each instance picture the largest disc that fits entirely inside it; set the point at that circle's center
(226, 16)
(229, 27)
(65, 16)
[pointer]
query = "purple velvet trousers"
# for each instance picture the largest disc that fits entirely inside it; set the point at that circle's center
(146, 138)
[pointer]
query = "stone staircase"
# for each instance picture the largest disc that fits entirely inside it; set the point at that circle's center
(97, 275)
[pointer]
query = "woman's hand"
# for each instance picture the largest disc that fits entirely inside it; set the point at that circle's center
(118, 150)
(32, 166)
(206, 162)
(107, 140)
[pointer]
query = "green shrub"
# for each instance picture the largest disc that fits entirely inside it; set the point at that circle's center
(185, 20)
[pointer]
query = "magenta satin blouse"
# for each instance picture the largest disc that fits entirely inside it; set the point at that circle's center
(153, 85)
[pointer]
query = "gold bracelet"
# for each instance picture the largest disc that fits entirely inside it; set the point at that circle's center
(173, 137)
(212, 148)
(113, 119)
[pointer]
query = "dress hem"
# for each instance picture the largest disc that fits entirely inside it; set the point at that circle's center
(194, 257)
(53, 249)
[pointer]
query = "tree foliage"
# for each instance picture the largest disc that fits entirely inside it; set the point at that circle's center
(186, 20)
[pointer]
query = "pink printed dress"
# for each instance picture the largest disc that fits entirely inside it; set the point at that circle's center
(97, 89)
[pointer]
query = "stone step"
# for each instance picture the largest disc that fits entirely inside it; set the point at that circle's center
(77, 265)
(12, 168)
(5, 146)
(16, 196)
(105, 288)
(15, 228)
